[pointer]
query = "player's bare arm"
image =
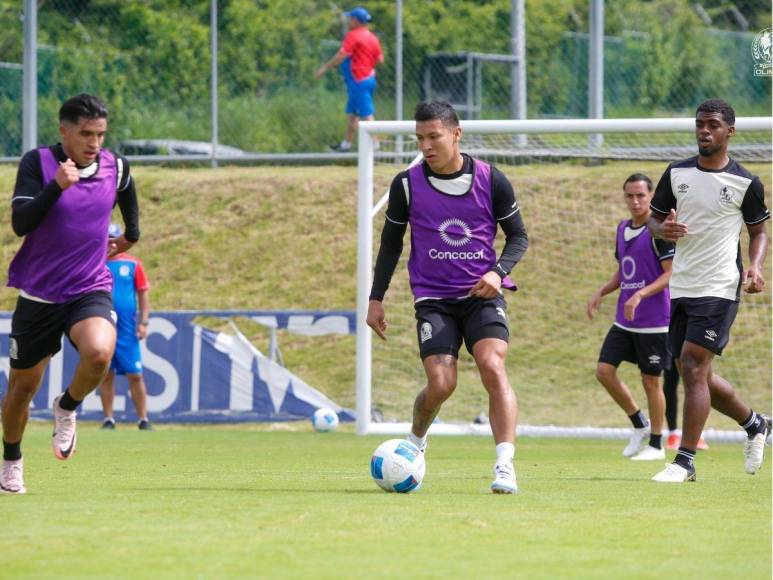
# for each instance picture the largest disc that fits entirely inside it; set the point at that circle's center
(143, 299)
(660, 283)
(610, 286)
(666, 227)
(753, 279)
(376, 318)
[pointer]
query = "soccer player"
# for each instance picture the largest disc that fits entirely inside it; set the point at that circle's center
(357, 59)
(453, 204)
(61, 205)
(700, 203)
(640, 331)
(130, 290)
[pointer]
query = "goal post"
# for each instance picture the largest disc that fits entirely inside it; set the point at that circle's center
(546, 157)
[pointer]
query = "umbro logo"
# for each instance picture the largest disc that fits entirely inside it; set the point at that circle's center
(654, 359)
(711, 335)
(683, 187)
(501, 312)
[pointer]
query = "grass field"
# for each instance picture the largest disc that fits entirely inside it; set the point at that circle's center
(226, 502)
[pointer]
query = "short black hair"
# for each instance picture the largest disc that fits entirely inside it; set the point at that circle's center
(717, 106)
(431, 110)
(82, 106)
(634, 177)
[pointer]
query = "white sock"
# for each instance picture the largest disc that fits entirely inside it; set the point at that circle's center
(505, 452)
(420, 442)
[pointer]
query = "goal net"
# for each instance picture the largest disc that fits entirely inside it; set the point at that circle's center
(568, 177)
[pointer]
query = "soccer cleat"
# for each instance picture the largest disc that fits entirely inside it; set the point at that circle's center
(674, 473)
(144, 425)
(636, 441)
(673, 441)
(504, 478)
(108, 425)
(649, 453)
(64, 437)
(12, 477)
(754, 448)
(338, 148)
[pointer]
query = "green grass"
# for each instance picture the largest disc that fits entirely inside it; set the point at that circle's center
(223, 502)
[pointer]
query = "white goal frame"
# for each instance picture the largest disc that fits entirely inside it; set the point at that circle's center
(366, 211)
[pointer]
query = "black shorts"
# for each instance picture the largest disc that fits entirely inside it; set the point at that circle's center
(702, 321)
(650, 351)
(441, 325)
(37, 327)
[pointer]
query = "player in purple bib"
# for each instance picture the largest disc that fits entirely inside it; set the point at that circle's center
(62, 202)
(640, 331)
(453, 204)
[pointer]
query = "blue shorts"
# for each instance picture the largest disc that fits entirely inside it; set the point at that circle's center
(127, 359)
(360, 94)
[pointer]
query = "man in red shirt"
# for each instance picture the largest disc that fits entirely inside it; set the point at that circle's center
(358, 56)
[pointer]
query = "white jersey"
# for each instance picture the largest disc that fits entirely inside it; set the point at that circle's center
(714, 204)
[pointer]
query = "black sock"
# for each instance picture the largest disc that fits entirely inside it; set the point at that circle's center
(685, 458)
(67, 402)
(670, 383)
(11, 451)
(656, 441)
(638, 419)
(753, 424)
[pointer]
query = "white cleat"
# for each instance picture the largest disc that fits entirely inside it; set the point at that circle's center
(64, 437)
(12, 477)
(674, 473)
(649, 453)
(504, 479)
(636, 442)
(753, 452)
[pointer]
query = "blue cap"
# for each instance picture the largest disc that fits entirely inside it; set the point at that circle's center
(114, 231)
(360, 14)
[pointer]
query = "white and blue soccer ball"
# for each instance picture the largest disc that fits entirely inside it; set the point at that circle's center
(324, 419)
(397, 466)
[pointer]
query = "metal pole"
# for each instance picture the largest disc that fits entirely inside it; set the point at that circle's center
(470, 81)
(364, 265)
(213, 87)
(518, 70)
(596, 67)
(399, 70)
(30, 77)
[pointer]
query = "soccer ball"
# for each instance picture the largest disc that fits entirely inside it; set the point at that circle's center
(324, 419)
(397, 465)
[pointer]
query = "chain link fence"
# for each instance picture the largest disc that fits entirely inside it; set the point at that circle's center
(151, 62)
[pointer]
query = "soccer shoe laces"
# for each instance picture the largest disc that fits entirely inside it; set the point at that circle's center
(504, 470)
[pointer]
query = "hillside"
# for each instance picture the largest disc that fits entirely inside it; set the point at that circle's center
(285, 238)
